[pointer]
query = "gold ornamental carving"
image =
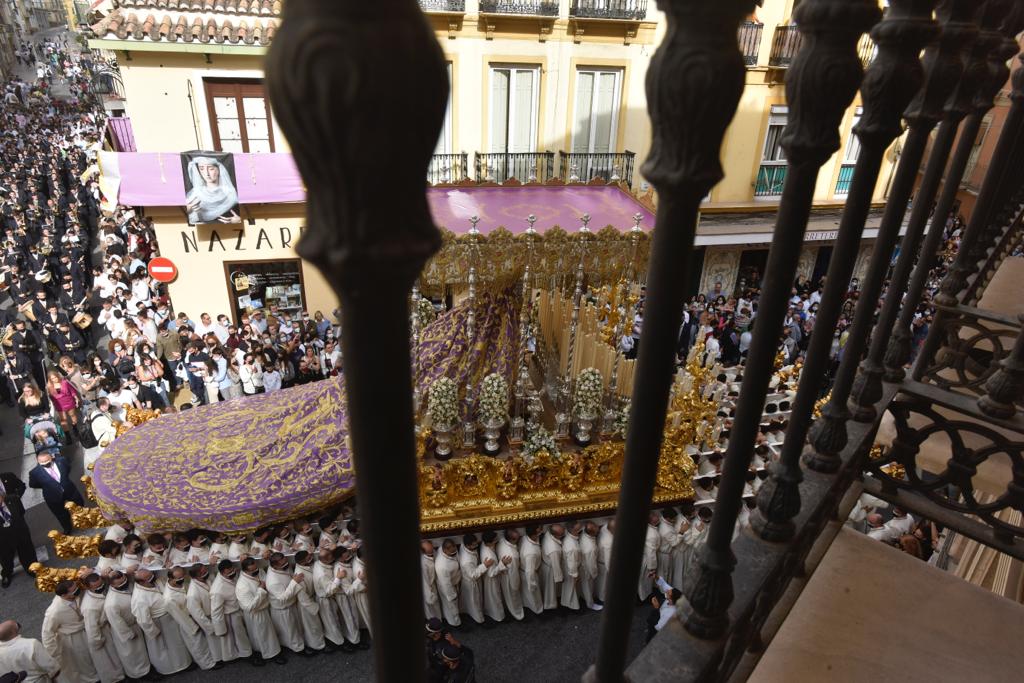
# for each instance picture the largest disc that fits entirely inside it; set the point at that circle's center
(86, 518)
(70, 547)
(47, 578)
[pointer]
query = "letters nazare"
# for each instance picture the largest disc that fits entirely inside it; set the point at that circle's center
(240, 239)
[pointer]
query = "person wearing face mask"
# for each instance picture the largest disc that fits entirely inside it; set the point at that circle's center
(52, 475)
(272, 379)
(283, 587)
(125, 632)
(309, 608)
(167, 651)
(226, 616)
(97, 629)
(63, 634)
(27, 655)
(255, 604)
(176, 600)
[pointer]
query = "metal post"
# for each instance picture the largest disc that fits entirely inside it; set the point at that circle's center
(693, 86)
(370, 242)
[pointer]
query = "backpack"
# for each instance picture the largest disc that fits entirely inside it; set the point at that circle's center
(86, 437)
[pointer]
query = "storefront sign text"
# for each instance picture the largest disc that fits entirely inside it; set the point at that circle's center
(239, 239)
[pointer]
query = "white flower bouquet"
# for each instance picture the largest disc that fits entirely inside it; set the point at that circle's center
(493, 405)
(622, 419)
(443, 402)
(425, 311)
(539, 439)
(589, 390)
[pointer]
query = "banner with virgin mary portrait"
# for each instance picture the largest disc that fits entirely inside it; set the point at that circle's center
(211, 194)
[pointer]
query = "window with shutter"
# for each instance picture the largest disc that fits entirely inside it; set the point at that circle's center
(598, 94)
(514, 95)
(240, 118)
(772, 174)
(850, 155)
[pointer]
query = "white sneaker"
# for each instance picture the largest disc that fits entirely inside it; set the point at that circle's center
(596, 607)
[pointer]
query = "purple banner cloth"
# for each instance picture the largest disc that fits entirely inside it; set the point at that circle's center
(154, 179)
(122, 133)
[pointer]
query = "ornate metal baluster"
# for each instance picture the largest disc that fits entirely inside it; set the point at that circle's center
(827, 62)
(889, 84)
(993, 191)
(943, 67)
(1005, 387)
(338, 99)
(693, 86)
(985, 73)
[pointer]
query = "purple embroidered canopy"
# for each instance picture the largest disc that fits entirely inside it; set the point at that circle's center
(238, 465)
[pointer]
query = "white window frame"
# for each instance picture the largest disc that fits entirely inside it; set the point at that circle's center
(616, 107)
(512, 112)
(778, 117)
(851, 152)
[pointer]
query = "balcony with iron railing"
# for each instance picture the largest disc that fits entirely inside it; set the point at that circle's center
(844, 180)
(445, 169)
(585, 166)
(960, 400)
(443, 6)
(749, 36)
(539, 8)
(628, 10)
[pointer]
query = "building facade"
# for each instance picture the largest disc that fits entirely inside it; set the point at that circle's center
(540, 89)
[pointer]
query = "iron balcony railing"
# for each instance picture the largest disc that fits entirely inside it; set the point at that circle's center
(786, 43)
(540, 8)
(844, 180)
(631, 10)
(749, 36)
(585, 166)
(526, 167)
(770, 179)
(443, 6)
(740, 573)
(445, 169)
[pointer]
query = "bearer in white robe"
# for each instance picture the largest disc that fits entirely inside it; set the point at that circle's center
(131, 557)
(255, 603)
(449, 579)
(573, 566)
(327, 584)
(199, 549)
(359, 594)
(508, 547)
(605, 539)
(128, 639)
(178, 554)
(97, 630)
(176, 600)
(304, 536)
(117, 532)
(588, 565)
(551, 569)
(110, 556)
(197, 602)
(428, 575)
(64, 637)
(328, 532)
(260, 546)
(343, 598)
(496, 568)
(669, 540)
(226, 614)
(219, 548)
(649, 565)
(696, 537)
(25, 654)
(681, 553)
(309, 608)
(282, 543)
(471, 593)
(530, 559)
(283, 588)
(167, 651)
(238, 547)
(155, 554)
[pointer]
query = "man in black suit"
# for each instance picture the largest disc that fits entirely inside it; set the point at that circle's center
(52, 475)
(14, 533)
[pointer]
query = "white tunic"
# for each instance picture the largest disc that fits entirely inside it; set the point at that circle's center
(126, 634)
(176, 601)
(605, 539)
(510, 578)
(236, 550)
(64, 638)
(492, 583)
(573, 562)
(346, 605)
(255, 604)
(197, 602)
(115, 532)
(283, 591)
(258, 550)
(167, 650)
(309, 610)
(529, 555)
(28, 655)
(695, 537)
(304, 542)
(669, 540)
(154, 560)
(680, 554)
(228, 621)
(551, 571)
(101, 646)
(471, 594)
(588, 568)
(360, 596)
(326, 585)
(431, 601)
(650, 562)
(449, 578)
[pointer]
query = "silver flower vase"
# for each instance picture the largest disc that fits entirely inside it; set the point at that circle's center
(584, 425)
(492, 432)
(443, 435)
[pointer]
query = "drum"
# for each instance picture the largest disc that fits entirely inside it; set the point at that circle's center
(82, 320)
(26, 310)
(43, 276)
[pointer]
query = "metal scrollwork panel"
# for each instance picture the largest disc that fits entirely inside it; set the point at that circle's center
(960, 468)
(971, 353)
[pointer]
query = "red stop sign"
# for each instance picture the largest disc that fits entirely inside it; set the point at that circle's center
(163, 269)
